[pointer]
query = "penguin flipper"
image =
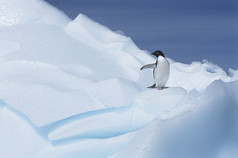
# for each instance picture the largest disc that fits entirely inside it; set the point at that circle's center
(149, 66)
(153, 86)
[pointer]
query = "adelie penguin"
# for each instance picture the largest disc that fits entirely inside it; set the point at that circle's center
(161, 70)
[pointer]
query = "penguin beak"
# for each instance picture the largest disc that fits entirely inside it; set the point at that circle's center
(153, 53)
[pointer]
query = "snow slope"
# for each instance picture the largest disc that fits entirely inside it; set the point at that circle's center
(30, 11)
(75, 89)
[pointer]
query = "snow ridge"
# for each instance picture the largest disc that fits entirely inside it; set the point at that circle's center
(75, 89)
(30, 11)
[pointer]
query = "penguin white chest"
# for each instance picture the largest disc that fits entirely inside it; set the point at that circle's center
(161, 72)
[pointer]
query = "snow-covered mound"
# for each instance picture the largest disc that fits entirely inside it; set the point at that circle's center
(75, 89)
(15, 12)
(210, 130)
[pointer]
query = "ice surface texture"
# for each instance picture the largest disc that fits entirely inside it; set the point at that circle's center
(74, 89)
(14, 12)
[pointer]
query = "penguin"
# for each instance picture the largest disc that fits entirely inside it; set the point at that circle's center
(161, 69)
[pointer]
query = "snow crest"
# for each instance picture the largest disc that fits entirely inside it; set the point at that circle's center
(75, 89)
(15, 12)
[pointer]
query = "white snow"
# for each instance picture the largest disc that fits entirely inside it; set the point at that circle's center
(209, 130)
(74, 89)
(8, 47)
(18, 137)
(14, 12)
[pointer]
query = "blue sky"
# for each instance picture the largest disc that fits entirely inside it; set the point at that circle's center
(185, 30)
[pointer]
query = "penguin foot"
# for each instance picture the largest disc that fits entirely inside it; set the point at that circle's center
(153, 86)
(161, 88)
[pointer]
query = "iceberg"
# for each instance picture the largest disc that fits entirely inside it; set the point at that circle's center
(30, 11)
(208, 130)
(73, 88)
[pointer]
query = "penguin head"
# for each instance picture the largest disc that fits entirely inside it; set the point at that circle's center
(158, 53)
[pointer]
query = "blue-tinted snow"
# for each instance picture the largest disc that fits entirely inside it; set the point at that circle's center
(17, 12)
(76, 90)
(209, 130)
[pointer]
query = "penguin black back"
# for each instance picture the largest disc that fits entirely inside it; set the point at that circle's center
(158, 53)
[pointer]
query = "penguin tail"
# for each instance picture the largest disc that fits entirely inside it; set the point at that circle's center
(153, 86)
